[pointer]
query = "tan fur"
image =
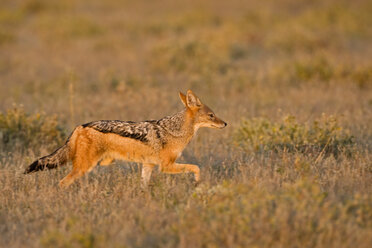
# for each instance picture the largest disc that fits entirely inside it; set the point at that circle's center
(96, 143)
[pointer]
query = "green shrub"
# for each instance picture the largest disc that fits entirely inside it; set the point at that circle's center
(362, 77)
(190, 56)
(83, 239)
(237, 51)
(319, 69)
(21, 130)
(324, 136)
(6, 37)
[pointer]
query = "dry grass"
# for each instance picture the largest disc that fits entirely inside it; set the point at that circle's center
(87, 60)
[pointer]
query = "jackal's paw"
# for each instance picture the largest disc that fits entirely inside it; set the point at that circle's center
(196, 183)
(147, 187)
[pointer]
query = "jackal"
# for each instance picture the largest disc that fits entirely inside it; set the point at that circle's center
(153, 142)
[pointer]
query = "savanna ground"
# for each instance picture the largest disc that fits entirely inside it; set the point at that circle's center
(292, 78)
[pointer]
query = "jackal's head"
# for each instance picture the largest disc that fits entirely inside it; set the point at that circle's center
(202, 115)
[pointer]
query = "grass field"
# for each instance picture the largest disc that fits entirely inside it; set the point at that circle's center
(293, 79)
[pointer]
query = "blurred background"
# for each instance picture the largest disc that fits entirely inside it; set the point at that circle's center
(292, 78)
(128, 59)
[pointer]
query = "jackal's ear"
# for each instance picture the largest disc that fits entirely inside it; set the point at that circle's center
(183, 99)
(192, 100)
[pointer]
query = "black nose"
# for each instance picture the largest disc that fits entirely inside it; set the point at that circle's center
(225, 124)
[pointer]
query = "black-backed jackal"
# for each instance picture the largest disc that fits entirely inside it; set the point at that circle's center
(154, 142)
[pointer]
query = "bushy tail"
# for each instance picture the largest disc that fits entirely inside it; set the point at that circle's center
(57, 158)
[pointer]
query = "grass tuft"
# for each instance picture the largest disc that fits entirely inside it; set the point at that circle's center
(324, 135)
(19, 130)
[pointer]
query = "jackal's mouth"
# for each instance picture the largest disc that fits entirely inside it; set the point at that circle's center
(219, 126)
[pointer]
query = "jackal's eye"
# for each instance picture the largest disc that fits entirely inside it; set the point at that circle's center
(211, 115)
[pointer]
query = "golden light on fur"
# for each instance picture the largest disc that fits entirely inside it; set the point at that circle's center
(155, 142)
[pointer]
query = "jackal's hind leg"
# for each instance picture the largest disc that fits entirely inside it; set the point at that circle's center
(146, 174)
(70, 178)
(80, 166)
(176, 168)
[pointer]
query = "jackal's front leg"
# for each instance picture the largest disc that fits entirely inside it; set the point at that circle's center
(146, 174)
(176, 168)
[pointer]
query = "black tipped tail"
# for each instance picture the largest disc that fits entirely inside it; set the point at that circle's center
(32, 167)
(39, 165)
(57, 158)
